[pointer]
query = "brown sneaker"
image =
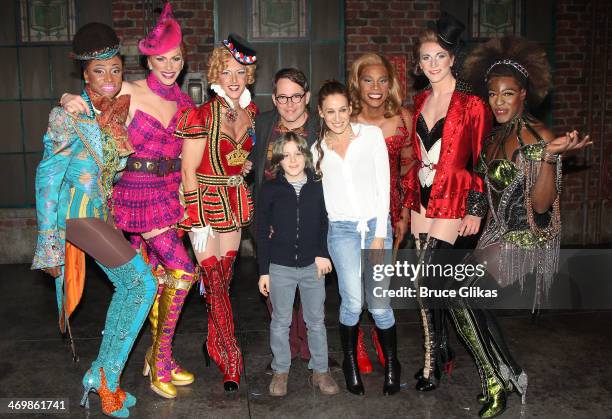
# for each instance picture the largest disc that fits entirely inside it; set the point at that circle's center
(325, 382)
(278, 385)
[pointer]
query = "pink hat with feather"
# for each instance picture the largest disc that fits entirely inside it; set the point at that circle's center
(165, 36)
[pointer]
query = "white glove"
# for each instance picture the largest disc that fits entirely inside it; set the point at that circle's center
(199, 237)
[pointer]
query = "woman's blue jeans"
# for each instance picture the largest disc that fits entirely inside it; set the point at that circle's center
(344, 245)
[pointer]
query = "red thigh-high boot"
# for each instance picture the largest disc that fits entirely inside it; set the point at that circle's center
(212, 278)
(234, 356)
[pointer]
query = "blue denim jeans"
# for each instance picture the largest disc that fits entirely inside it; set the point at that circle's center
(283, 281)
(344, 245)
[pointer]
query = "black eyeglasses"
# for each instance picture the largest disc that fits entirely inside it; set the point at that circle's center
(296, 98)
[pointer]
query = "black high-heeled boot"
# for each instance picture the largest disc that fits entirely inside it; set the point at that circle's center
(445, 351)
(393, 369)
(431, 371)
(511, 373)
(348, 338)
(428, 378)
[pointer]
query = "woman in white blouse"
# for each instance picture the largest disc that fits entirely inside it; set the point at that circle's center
(353, 162)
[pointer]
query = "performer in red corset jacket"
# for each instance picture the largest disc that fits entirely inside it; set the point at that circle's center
(445, 196)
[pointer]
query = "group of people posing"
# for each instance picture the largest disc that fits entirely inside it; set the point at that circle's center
(129, 166)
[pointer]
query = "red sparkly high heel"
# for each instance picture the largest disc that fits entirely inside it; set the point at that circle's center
(377, 347)
(363, 360)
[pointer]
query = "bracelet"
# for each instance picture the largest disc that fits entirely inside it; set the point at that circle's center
(60, 99)
(550, 158)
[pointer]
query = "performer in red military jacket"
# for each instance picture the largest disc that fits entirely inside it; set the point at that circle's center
(451, 188)
(218, 138)
(445, 196)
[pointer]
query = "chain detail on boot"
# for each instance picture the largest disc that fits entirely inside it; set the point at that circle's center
(432, 320)
(430, 377)
(431, 370)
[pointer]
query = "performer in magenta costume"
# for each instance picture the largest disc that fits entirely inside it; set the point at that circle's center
(146, 198)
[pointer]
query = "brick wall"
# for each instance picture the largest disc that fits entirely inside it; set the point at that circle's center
(386, 27)
(195, 18)
(579, 76)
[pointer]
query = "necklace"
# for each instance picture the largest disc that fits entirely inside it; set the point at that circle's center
(231, 115)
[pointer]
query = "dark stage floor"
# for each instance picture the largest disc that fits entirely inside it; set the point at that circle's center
(567, 357)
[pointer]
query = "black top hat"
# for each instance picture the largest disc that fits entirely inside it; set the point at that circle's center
(448, 29)
(241, 50)
(95, 41)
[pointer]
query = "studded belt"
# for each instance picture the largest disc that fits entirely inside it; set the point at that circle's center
(235, 180)
(161, 167)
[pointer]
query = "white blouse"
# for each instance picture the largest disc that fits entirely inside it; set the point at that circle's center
(356, 188)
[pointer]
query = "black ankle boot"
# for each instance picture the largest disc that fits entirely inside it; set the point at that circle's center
(348, 338)
(393, 369)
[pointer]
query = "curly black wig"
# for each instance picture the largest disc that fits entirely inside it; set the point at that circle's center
(510, 56)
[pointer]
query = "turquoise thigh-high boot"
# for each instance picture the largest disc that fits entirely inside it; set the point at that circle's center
(135, 289)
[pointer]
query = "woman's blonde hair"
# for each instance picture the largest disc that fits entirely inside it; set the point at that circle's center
(216, 64)
(278, 155)
(393, 102)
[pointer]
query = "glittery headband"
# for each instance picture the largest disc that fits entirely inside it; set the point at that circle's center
(239, 56)
(103, 54)
(512, 64)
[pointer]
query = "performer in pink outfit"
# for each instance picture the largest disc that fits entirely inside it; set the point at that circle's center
(146, 198)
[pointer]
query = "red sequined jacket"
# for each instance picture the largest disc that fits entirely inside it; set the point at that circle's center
(456, 189)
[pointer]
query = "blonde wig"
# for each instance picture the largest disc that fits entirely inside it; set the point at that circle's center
(394, 100)
(216, 64)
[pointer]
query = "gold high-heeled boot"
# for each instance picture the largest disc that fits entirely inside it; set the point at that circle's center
(161, 368)
(180, 376)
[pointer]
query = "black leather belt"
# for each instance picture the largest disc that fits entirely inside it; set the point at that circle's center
(161, 167)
